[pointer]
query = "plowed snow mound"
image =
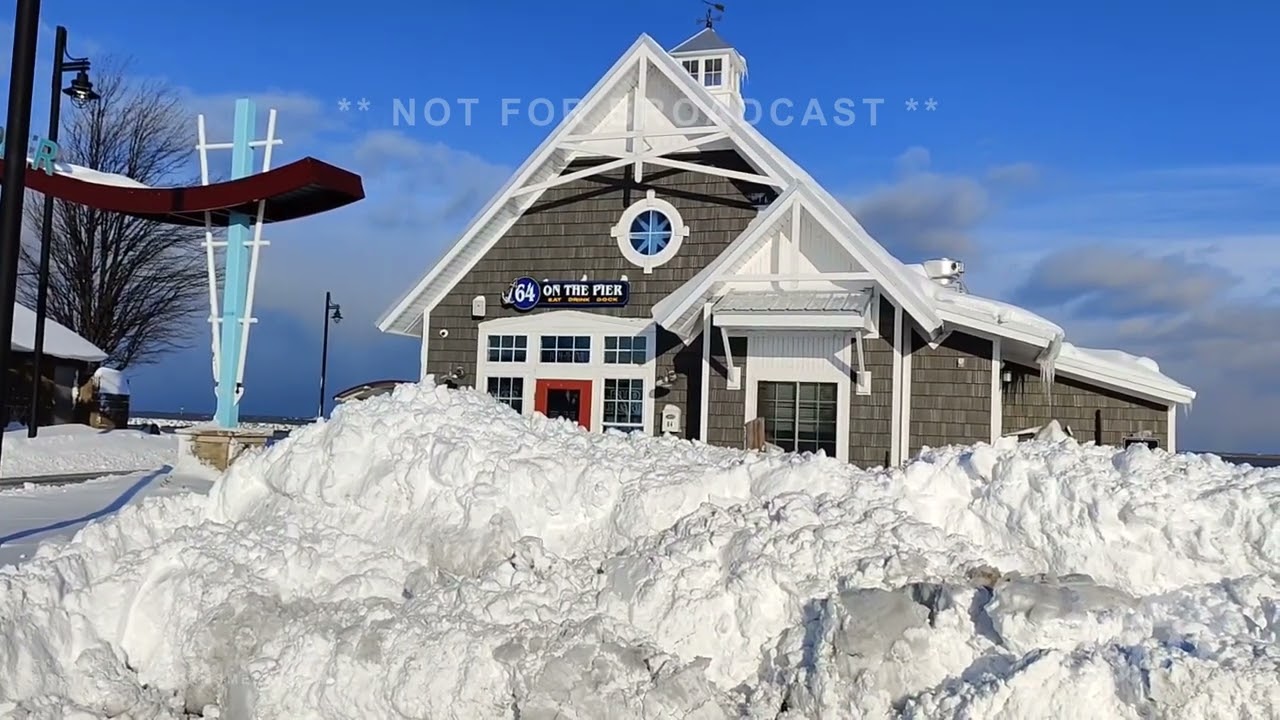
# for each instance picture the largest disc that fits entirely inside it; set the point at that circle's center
(430, 554)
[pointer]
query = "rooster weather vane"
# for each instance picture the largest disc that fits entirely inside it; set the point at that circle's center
(710, 20)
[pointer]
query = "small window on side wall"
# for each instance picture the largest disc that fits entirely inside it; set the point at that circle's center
(508, 391)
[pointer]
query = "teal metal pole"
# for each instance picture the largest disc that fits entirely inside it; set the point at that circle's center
(235, 286)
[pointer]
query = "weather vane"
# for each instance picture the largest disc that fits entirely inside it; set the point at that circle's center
(711, 20)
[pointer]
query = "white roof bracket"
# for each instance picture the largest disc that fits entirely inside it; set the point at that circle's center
(733, 381)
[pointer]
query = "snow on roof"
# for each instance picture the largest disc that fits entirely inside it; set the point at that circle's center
(962, 307)
(59, 340)
(434, 550)
(94, 176)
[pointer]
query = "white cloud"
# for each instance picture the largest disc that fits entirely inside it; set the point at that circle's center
(925, 213)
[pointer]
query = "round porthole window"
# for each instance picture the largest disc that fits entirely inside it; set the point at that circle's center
(650, 232)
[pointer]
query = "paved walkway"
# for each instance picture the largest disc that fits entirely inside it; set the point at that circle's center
(53, 511)
(65, 478)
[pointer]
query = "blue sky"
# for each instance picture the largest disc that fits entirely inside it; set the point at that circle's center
(1114, 167)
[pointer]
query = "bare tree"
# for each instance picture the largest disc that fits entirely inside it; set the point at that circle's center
(130, 286)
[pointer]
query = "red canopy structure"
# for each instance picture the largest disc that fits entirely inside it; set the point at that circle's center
(300, 189)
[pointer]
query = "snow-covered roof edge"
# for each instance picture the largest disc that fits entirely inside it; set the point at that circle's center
(59, 340)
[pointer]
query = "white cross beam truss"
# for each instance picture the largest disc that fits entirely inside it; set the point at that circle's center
(254, 245)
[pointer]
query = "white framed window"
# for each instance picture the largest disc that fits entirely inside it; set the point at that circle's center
(692, 67)
(790, 379)
(623, 404)
(594, 328)
(800, 416)
(713, 72)
(626, 350)
(508, 348)
(574, 349)
(508, 391)
(650, 232)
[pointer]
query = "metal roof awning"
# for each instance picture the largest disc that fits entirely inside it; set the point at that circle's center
(792, 309)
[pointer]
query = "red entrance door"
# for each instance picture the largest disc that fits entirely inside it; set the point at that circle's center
(565, 398)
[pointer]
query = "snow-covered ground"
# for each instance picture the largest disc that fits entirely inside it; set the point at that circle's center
(75, 449)
(39, 513)
(174, 423)
(431, 554)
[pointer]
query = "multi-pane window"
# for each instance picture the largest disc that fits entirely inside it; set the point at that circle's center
(712, 72)
(624, 405)
(692, 67)
(508, 348)
(798, 416)
(508, 391)
(625, 350)
(566, 348)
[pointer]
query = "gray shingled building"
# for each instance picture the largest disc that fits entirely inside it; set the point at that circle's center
(657, 265)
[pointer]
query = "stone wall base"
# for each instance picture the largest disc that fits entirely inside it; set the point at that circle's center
(219, 447)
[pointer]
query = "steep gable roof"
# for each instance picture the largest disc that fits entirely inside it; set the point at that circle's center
(555, 154)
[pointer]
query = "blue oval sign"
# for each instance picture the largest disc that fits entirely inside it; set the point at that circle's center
(524, 294)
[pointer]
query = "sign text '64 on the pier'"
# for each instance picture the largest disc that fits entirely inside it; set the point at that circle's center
(526, 293)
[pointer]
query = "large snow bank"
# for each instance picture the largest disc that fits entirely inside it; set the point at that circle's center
(77, 449)
(431, 554)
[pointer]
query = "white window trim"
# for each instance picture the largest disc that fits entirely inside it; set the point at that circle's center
(571, 322)
(841, 380)
(621, 232)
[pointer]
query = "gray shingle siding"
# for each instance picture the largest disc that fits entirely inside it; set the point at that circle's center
(727, 408)
(1093, 413)
(950, 401)
(566, 234)
(871, 416)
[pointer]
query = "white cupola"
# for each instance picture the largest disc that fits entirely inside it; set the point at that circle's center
(715, 65)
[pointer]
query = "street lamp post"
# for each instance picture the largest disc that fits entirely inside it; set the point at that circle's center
(22, 67)
(336, 317)
(81, 93)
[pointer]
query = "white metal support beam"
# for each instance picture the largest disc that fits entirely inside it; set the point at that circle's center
(794, 256)
(733, 379)
(628, 134)
(704, 409)
(626, 159)
(713, 170)
(997, 391)
(862, 378)
(637, 117)
(895, 411)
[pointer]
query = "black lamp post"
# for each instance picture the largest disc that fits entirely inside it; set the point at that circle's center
(22, 67)
(336, 317)
(81, 93)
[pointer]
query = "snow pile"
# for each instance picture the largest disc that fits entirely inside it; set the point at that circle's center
(78, 449)
(111, 381)
(433, 554)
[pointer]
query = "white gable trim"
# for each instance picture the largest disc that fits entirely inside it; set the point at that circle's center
(394, 319)
(675, 311)
(643, 53)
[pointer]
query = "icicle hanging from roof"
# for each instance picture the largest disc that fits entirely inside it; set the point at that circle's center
(1047, 360)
